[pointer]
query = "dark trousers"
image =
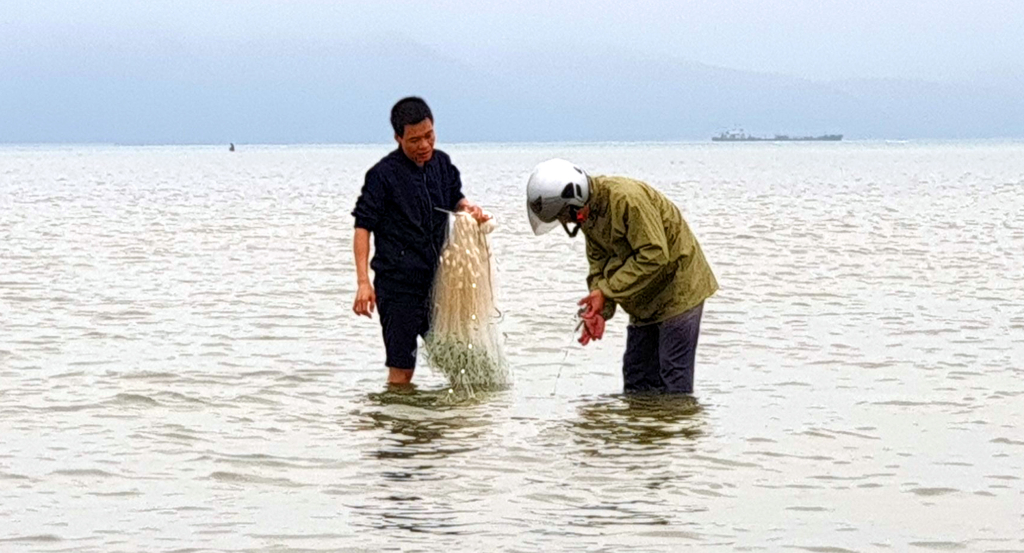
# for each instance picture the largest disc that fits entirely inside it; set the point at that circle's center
(404, 315)
(660, 357)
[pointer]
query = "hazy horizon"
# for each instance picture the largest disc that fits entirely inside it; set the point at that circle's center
(313, 72)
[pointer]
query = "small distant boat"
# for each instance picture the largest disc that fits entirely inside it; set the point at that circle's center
(740, 136)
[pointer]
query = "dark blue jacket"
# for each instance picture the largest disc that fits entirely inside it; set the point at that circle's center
(397, 204)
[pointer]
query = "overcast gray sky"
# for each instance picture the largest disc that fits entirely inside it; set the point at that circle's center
(820, 39)
(152, 71)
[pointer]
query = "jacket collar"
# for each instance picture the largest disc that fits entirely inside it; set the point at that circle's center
(598, 202)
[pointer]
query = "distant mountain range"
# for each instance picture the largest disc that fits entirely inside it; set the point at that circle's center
(176, 92)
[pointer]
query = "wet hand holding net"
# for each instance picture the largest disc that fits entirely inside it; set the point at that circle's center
(463, 340)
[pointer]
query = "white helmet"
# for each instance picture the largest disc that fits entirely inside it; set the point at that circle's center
(554, 185)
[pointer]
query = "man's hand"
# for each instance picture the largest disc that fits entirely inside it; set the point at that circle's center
(593, 328)
(593, 304)
(475, 211)
(366, 300)
(593, 321)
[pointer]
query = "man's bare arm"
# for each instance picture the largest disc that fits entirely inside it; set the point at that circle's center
(366, 298)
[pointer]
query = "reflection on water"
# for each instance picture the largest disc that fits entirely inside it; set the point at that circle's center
(636, 421)
(419, 439)
(423, 423)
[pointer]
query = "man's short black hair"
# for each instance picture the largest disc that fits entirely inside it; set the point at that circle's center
(409, 111)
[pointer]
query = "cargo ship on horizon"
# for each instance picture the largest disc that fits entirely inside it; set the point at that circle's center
(740, 136)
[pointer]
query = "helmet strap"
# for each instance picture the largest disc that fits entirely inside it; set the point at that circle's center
(575, 230)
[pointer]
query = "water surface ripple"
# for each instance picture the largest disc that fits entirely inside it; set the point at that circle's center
(180, 369)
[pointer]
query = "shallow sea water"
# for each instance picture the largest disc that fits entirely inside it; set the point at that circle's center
(180, 369)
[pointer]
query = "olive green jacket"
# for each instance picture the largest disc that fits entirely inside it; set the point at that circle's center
(642, 253)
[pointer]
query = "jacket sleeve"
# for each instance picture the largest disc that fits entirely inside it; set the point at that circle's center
(455, 194)
(641, 226)
(597, 258)
(370, 204)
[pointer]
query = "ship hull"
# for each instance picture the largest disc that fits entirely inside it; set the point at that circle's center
(824, 138)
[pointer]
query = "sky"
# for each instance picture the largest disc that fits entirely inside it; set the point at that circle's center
(48, 49)
(819, 39)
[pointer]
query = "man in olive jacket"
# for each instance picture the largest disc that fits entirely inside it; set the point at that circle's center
(643, 257)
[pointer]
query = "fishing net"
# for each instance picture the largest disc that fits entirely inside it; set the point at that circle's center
(463, 340)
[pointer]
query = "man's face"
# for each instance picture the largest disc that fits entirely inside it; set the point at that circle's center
(418, 141)
(567, 218)
(564, 216)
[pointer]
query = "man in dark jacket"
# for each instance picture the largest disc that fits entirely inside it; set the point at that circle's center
(404, 204)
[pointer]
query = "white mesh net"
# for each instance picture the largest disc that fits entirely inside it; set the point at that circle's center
(463, 340)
